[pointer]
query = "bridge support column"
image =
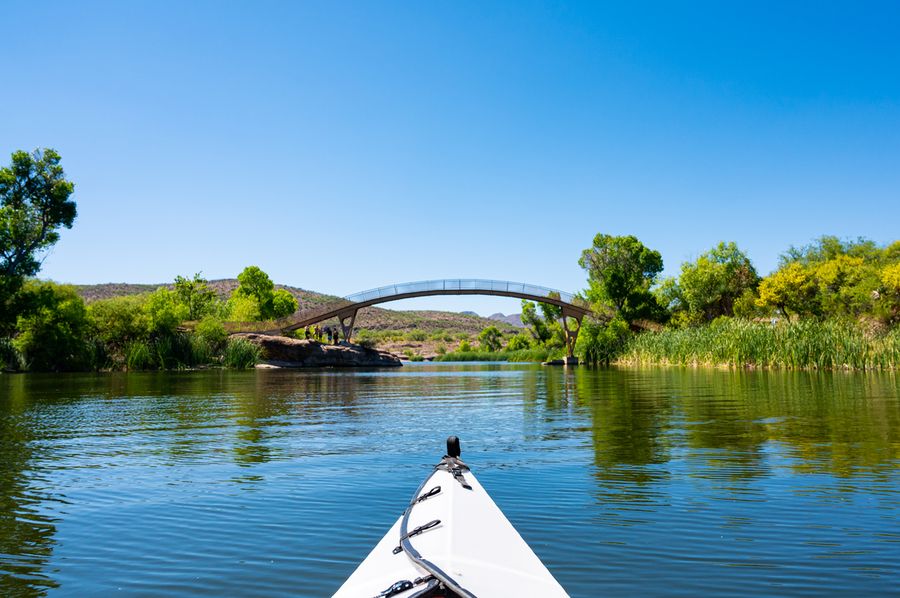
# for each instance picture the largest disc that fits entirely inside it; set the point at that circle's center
(571, 336)
(347, 320)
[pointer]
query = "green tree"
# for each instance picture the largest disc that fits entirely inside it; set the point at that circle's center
(195, 295)
(164, 312)
(243, 308)
(602, 342)
(34, 205)
(711, 285)
(53, 333)
(534, 323)
(829, 247)
(119, 321)
(518, 342)
(489, 338)
(256, 284)
(792, 288)
(211, 331)
(620, 273)
(283, 304)
(890, 291)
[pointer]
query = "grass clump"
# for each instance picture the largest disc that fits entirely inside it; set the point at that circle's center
(241, 354)
(806, 344)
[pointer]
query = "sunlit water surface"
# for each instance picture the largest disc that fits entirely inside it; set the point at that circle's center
(655, 482)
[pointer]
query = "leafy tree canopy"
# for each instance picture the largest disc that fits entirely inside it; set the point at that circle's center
(711, 285)
(489, 338)
(256, 284)
(195, 295)
(791, 289)
(829, 247)
(34, 205)
(52, 334)
(620, 273)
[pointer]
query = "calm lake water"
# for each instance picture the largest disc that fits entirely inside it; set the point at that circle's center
(661, 482)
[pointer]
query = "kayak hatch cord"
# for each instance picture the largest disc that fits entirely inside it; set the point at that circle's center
(405, 544)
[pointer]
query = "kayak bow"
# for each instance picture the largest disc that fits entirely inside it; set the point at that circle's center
(452, 540)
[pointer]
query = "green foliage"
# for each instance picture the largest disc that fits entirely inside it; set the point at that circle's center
(138, 356)
(119, 321)
(464, 347)
(241, 354)
(243, 308)
(366, 342)
(53, 333)
(792, 288)
(417, 335)
(806, 344)
(828, 247)
(211, 331)
(602, 342)
(710, 286)
(746, 305)
(164, 312)
(10, 358)
(489, 338)
(269, 304)
(283, 304)
(518, 342)
(620, 273)
(536, 354)
(534, 323)
(34, 205)
(195, 296)
(831, 278)
(890, 291)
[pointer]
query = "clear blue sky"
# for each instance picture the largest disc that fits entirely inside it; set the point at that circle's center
(342, 146)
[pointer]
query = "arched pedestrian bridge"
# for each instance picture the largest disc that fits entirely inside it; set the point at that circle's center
(346, 309)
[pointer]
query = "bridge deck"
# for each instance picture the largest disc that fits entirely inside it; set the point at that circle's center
(572, 306)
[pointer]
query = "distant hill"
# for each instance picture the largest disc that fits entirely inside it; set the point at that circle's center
(370, 318)
(511, 319)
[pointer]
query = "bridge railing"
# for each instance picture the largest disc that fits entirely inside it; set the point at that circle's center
(463, 284)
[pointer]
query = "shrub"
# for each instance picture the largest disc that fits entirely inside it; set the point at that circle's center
(10, 358)
(600, 342)
(211, 331)
(518, 343)
(119, 320)
(137, 356)
(366, 343)
(489, 338)
(163, 312)
(241, 354)
(53, 333)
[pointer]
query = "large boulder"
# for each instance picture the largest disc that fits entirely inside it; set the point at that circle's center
(291, 352)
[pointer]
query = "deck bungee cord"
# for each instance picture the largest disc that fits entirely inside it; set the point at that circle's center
(439, 581)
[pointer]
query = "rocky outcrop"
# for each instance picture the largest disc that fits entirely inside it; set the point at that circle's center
(290, 352)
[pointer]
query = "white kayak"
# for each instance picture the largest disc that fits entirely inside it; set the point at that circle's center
(452, 540)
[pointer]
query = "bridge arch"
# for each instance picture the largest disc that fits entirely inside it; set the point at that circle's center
(347, 308)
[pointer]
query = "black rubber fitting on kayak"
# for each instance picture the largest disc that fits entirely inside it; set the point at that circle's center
(453, 446)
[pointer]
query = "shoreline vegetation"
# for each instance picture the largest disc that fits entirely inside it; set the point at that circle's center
(833, 304)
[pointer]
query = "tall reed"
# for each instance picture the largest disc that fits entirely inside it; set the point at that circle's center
(807, 344)
(241, 354)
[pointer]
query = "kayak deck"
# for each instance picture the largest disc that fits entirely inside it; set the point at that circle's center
(473, 543)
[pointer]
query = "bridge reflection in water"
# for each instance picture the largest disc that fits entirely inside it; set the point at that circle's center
(346, 309)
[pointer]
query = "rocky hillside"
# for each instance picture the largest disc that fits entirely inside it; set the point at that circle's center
(371, 318)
